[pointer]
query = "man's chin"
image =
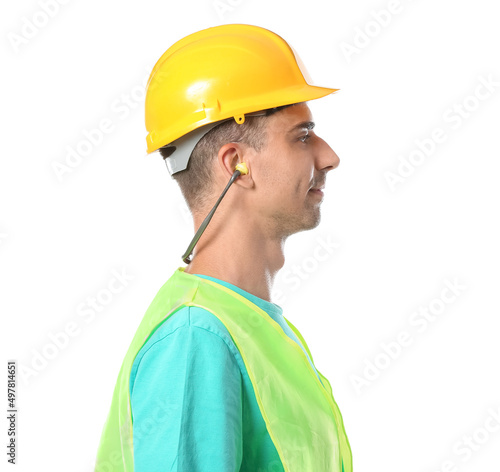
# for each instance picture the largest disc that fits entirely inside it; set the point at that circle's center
(315, 218)
(315, 223)
(293, 225)
(311, 223)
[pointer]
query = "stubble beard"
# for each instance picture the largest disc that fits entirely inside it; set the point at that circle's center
(286, 224)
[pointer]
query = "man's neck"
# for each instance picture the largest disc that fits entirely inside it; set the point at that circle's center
(242, 257)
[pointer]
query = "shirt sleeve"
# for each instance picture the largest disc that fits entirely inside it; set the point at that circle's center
(187, 405)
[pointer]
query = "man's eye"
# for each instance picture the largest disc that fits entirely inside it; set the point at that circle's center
(304, 138)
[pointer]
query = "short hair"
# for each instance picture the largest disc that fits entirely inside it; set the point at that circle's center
(196, 181)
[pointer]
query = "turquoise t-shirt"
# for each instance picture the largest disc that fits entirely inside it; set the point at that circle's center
(193, 404)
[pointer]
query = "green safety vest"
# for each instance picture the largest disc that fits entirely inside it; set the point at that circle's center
(301, 416)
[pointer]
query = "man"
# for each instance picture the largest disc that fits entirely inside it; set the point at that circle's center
(216, 378)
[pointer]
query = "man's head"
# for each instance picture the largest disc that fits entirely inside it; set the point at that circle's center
(225, 74)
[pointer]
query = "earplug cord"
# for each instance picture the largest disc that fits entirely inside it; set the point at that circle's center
(240, 169)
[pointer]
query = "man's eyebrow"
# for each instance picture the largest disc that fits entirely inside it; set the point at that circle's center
(305, 124)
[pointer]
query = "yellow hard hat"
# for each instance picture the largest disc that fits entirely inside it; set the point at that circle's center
(219, 73)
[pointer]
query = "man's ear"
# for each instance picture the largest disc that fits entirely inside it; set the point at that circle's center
(231, 154)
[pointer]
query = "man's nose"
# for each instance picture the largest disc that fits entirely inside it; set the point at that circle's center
(326, 158)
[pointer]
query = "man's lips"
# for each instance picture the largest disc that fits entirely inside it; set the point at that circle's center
(317, 190)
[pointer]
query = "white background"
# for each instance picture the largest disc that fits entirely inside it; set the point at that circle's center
(391, 249)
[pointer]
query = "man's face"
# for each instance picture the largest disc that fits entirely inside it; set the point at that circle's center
(293, 161)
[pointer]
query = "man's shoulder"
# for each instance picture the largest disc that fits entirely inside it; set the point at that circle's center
(183, 323)
(193, 317)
